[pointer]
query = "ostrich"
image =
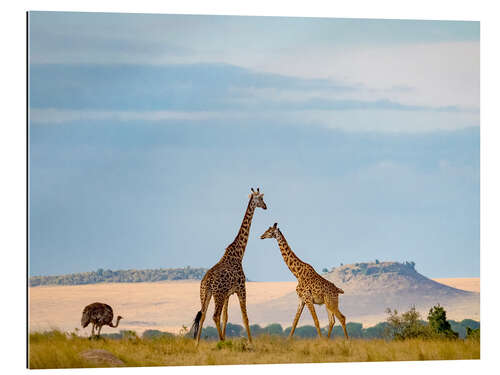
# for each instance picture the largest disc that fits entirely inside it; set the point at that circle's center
(99, 314)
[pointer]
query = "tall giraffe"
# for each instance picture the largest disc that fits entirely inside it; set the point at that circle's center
(227, 276)
(311, 288)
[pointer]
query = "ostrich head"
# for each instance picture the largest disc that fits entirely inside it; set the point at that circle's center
(118, 318)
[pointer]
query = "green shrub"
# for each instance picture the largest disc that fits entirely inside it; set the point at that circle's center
(407, 325)
(438, 323)
(473, 334)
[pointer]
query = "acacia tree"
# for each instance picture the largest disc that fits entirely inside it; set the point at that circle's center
(407, 325)
(438, 322)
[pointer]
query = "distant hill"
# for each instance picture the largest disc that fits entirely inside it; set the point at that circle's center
(120, 276)
(394, 277)
(370, 288)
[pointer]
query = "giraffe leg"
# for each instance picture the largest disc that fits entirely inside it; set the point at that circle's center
(332, 308)
(242, 295)
(204, 307)
(297, 317)
(331, 321)
(310, 305)
(219, 304)
(224, 318)
(341, 318)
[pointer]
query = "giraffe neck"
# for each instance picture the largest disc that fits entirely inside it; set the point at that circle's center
(292, 261)
(237, 247)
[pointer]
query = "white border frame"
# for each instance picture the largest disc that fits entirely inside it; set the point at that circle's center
(13, 161)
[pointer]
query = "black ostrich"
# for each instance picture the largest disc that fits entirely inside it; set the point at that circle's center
(99, 314)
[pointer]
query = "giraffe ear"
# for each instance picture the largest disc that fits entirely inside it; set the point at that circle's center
(275, 225)
(250, 196)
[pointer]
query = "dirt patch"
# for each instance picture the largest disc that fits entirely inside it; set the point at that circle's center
(101, 356)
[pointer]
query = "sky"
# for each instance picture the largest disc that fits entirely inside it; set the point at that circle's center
(146, 133)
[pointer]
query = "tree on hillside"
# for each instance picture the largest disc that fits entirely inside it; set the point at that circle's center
(354, 330)
(324, 270)
(303, 331)
(274, 329)
(378, 331)
(410, 264)
(210, 333)
(473, 334)
(120, 276)
(256, 330)
(407, 325)
(234, 330)
(439, 324)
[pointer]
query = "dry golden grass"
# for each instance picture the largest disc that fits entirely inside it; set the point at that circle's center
(58, 350)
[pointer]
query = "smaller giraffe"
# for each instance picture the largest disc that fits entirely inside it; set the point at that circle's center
(311, 288)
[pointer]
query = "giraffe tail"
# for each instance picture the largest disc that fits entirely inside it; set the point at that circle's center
(196, 324)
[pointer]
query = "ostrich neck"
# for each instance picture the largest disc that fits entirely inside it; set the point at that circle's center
(116, 324)
(292, 261)
(237, 248)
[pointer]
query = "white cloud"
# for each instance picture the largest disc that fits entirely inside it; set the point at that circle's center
(427, 74)
(56, 116)
(434, 74)
(348, 120)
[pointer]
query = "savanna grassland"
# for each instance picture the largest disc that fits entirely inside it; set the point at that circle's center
(167, 306)
(54, 349)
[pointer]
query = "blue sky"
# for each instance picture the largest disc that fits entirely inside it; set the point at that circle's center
(147, 132)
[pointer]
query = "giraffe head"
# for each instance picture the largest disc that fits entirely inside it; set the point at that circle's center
(272, 232)
(257, 199)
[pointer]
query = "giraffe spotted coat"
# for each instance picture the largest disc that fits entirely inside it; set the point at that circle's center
(227, 277)
(311, 288)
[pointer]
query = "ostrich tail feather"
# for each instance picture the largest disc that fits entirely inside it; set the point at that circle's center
(85, 319)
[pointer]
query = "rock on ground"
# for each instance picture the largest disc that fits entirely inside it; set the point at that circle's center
(101, 356)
